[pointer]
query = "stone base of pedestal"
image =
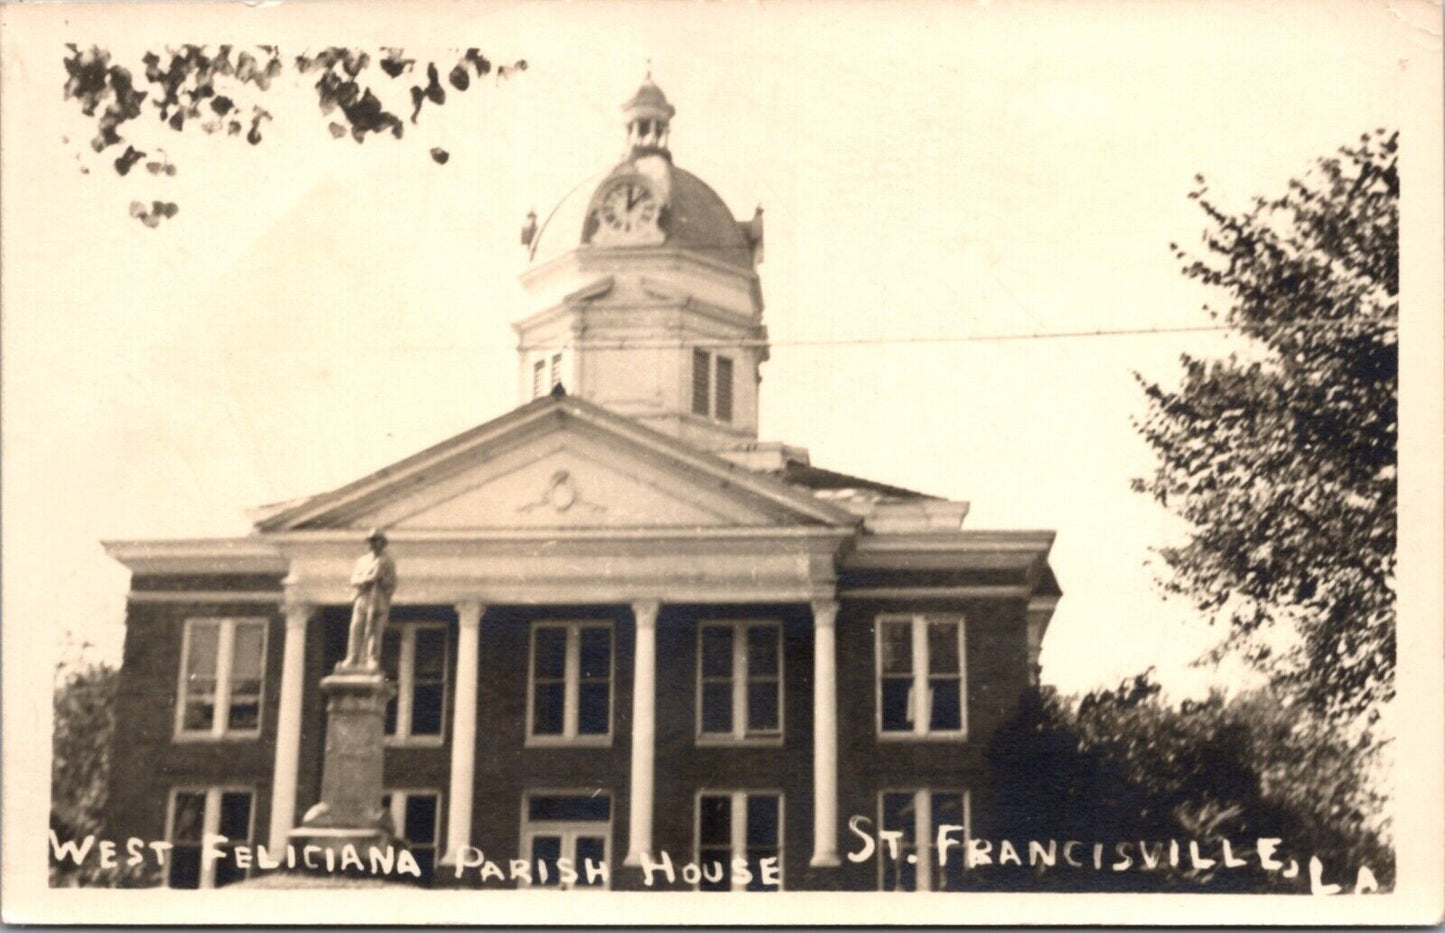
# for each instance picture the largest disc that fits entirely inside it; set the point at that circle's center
(349, 820)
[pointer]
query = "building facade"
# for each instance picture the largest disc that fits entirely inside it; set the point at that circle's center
(628, 632)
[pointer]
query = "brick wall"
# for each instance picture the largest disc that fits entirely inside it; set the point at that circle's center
(149, 762)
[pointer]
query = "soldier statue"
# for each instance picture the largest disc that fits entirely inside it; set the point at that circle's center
(374, 580)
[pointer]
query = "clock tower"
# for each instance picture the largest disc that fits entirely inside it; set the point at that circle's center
(643, 294)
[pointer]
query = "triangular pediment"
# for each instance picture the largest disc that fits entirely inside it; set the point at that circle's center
(559, 463)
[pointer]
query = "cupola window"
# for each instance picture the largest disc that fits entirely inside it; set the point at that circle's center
(712, 385)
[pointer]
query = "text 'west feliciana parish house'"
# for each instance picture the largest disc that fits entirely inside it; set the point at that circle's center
(625, 625)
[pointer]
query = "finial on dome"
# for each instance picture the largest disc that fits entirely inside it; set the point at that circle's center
(648, 116)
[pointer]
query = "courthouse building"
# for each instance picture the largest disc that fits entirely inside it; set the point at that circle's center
(625, 625)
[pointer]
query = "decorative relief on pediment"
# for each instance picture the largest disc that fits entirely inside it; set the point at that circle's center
(562, 495)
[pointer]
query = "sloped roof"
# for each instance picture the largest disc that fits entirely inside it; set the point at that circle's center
(313, 511)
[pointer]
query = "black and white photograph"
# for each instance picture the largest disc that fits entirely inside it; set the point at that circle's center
(722, 462)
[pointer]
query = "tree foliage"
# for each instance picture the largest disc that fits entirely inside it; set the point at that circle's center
(1125, 765)
(1282, 458)
(219, 92)
(81, 745)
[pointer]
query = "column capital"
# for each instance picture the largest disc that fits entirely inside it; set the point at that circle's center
(825, 612)
(298, 611)
(645, 612)
(469, 612)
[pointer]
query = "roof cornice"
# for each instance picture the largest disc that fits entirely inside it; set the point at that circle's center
(585, 413)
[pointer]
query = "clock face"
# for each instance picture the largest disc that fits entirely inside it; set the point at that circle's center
(628, 207)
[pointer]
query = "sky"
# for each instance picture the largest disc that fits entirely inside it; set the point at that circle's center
(318, 309)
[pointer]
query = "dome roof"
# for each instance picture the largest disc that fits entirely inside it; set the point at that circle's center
(649, 96)
(694, 216)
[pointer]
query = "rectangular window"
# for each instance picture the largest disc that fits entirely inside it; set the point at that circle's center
(724, 409)
(740, 825)
(198, 812)
(414, 657)
(223, 666)
(917, 863)
(701, 382)
(539, 378)
(556, 371)
(740, 680)
(922, 690)
(570, 695)
(416, 816)
(576, 828)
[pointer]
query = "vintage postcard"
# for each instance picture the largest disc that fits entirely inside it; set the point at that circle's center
(731, 463)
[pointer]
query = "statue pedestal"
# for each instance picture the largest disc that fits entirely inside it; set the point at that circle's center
(350, 811)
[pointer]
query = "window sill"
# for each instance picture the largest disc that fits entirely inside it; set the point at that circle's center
(953, 737)
(557, 741)
(189, 738)
(414, 741)
(730, 741)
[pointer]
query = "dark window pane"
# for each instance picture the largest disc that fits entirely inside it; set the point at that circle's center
(190, 815)
(200, 713)
(431, 654)
(714, 820)
(700, 381)
(185, 871)
(227, 871)
(596, 650)
(899, 875)
(426, 861)
(724, 389)
(762, 820)
(763, 651)
(547, 709)
(763, 707)
(898, 814)
(245, 713)
(594, 708)
(947, 810)
(551, 652)
(717, 651)
(545, 851)
(575, 808)
(897, 646)
(391, 716)
(946, 714)
(717, 708)
(590, 849)
(896, 714)
(421, 819)
(391, 653)
(716, 864)
(426, 709)
(943, 647)
(236, 815)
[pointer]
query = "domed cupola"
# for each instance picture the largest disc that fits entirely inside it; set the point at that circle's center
(645, 292)
(648, 117)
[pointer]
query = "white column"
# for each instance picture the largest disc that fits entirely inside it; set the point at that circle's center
(825, 734)
(644, 732)
(288, 723)
(464, 730)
